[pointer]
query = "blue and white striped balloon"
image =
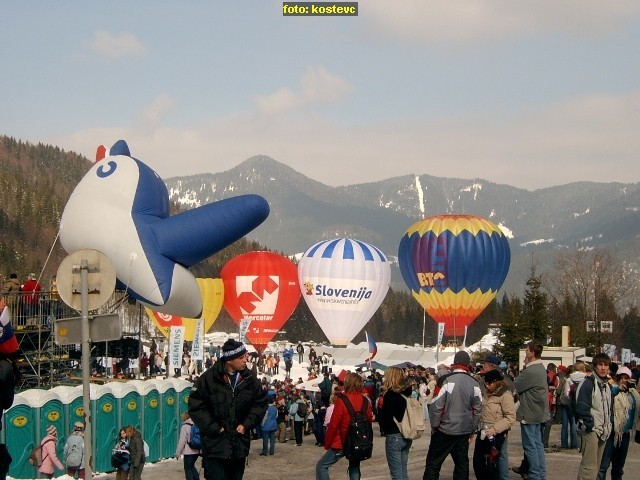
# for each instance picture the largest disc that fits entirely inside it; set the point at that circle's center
(344, 282)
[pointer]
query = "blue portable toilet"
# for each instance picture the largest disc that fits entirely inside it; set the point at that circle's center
(71, 398)
(151, 420)
(183, 389)
(128, 406)
(21, 432)
(104, 426)
(169, 418)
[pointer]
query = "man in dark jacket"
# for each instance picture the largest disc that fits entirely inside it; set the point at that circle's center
(227, 402)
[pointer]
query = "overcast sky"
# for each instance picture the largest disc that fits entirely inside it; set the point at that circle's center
(531, 94)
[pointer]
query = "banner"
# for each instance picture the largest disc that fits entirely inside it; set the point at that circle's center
(197, 347)
(244, 326)
(176, 342)
(440, 332)
(626, 355)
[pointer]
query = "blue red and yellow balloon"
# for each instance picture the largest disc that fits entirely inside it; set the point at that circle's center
(454, 266)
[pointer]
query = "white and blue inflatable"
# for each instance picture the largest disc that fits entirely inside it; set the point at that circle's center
(121, 208)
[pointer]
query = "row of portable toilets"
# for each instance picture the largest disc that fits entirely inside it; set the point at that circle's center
(153, 406)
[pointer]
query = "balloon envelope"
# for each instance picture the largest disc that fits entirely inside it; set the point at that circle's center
(212, 292)
(263, 288)
(454, 266)
(344, 282)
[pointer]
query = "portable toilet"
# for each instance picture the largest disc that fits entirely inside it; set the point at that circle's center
(52, 413)
(104, 426)
(70, 397)
(151, 426)
(183, 389)
(22, 432)
(128, 406)
(170, 419)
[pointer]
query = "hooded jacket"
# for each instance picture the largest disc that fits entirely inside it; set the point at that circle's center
(218, 408)
(593, 406)
(340, 419)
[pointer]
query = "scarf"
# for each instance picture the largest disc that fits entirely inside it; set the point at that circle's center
(622, 406)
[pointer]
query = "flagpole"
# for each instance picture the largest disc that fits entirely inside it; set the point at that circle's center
(424, 324)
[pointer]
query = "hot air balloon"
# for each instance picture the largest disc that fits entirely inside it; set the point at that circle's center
(344, 282)
(454, 266)
(212, 292)
(263, 288)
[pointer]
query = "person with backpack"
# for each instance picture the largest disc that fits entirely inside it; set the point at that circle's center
(490, 459)
(568, 431)
(298, 412)
(189, 445)
(396, 389)
(338, 437)
(593, 416)
(49, 456)
(269, 426)
(74, 452)
(454, 416)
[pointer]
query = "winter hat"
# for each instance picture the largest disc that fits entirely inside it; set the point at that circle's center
(492, 376)
(232, 349)
(51, 430)
(78, 426)
(493, 359)
(462, 358)
(624, 371)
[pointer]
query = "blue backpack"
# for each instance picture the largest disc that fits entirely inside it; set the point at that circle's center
(194, 441)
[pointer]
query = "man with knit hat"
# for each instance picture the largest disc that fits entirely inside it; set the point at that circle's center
(226, 403)
(455, 415)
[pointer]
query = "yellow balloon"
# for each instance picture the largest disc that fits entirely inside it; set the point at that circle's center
(212, 291)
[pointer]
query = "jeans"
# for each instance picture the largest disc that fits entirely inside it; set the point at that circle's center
(331, 457)
(614, 456)
(439, 449)
(503, 463)
(568, 434)
(397, 449)
(268, 442)
(533, 450)
(190, 470)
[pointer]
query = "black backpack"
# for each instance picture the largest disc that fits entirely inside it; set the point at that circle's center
(358, 444)
(303, 410)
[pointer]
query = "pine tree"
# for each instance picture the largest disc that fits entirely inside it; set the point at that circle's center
(535, 313)
(511, 336)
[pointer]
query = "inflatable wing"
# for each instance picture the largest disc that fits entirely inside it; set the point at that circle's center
(121, 208)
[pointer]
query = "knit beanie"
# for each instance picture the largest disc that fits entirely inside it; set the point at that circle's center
(492, 376)
(51, 430)
(232, 349)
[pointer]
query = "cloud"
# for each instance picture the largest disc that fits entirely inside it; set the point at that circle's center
(593, 137)
(317, 85)
(116, 46)
(162, 104)
(468, 21)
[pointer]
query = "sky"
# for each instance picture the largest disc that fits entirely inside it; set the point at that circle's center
(530, 94)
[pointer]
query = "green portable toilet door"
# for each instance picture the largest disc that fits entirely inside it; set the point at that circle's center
(170, 423)
(76, 413)
(105, 431)
(152, 426)
(130, 410)
(184, 401)
(19, 424)
(52, 413)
